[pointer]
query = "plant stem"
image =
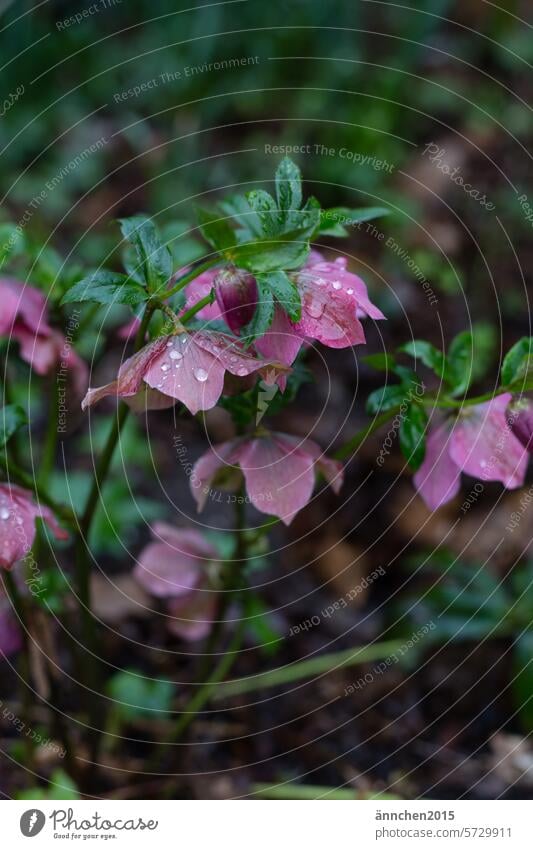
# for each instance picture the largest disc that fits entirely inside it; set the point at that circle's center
(195, 272)
(308, 668)
(204, 302)
(83, 565)
(203, 693)
(48, 457)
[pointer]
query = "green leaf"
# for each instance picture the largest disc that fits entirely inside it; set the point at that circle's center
(459, 362)
(238, 208)
(386, 398)
(136, 696)
(412, 435)
(285, 292)
(523, 679)
(154, 258)
(518, 361)
(335, 221)
(106, 287)
(266, 210)
(264, 312)
(11, 241)
(425, 351)
(12, 418)
(380, 362)
(288, 187)
(215, 228)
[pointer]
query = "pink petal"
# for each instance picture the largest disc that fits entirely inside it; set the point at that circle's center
(438, 479)
(185, 371)
(328, 309)
(17, 523)
(164, 572)
(23, 301)
(483, 444)
(199, 288)
(281, 342)
(279, 481)
(130, 375)
(194, 614)
(209, 465)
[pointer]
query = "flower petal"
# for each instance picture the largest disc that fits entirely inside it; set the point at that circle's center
(484, 446)
(281, 342)
(279, 481)
(209, 465)
(185, 371)
(438, 479)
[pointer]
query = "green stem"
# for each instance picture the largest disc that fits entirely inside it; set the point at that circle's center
(308, 668)
(186, 278)
(204, 302)
(48, 457)
(204, 692)
(83, 563)
(290, 790)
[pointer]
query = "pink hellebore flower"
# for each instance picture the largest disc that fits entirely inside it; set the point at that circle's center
(24, 317)
(332, 299)
(18, 513)
(175, 567)
(188, 367)
(480, 443)
(279, 471)
(199, 288)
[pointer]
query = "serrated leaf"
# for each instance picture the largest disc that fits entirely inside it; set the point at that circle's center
(412, 435)
(285, 292)
(238, 208)
(288, 186)
(266, 210)
(263, 314)
(215, 228)
(289, 251)
(12, 418)
(106, 287)
(154, 258)
(518, 361)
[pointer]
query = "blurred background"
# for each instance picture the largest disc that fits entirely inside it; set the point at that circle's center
(117, 107)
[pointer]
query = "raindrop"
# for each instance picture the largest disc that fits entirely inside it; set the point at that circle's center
(349, 291)
(175, 355)
(4, 513)
(165, 367)
(337, 285)
(242, 371)
(200, 374)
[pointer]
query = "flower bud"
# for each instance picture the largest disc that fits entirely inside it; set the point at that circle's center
(236, 296)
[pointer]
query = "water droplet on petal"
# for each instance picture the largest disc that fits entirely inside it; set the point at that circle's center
(165, 367)
(337, 285)
(349, 291)
(242, 371)
(314, 308)
(4, 513)
(200, 374)
(175, 355)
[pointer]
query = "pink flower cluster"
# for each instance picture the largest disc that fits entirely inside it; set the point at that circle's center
(484, 441)
(24, 317)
